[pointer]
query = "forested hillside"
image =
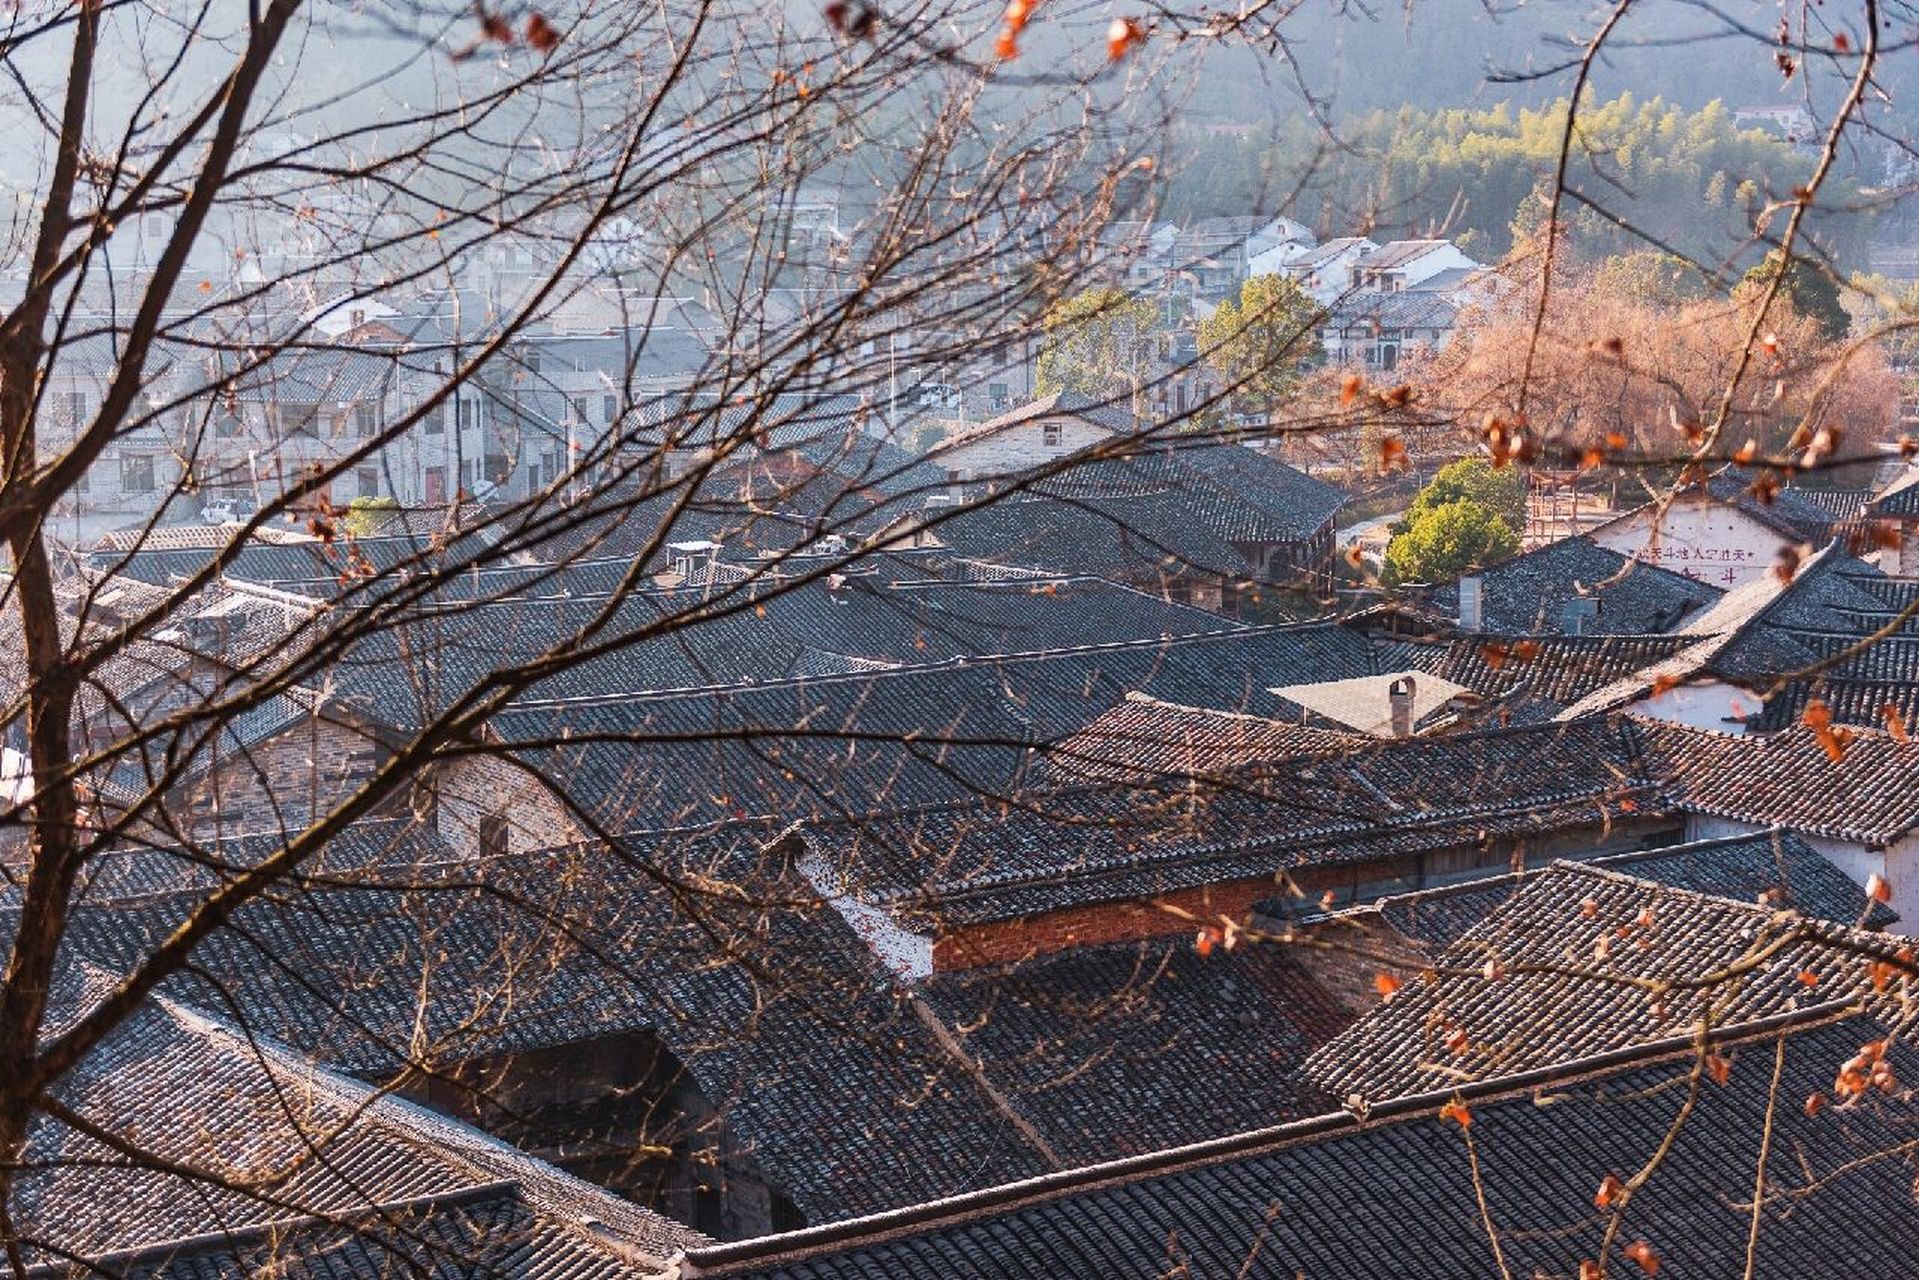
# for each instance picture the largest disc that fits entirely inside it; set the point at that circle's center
(1691, 179)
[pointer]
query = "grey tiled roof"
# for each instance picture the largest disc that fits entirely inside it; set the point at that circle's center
(1788, 510)
(1574, 948)
(864, 743)
(1342, 1198)
(1536, 677)
(315, 1147)
(1855, 703)
(1900, 501)
(770, 1006)
(1528, 594)
(1870, 797)
(491, 1227)
(1396, 253)
(409, 668)
(1401, 309)
(271, 564)
(1142, 738)
(1127, 1048)
(1183, 507)
(988, 860)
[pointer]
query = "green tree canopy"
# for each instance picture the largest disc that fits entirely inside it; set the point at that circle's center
(1443, 541)
(1500, 489)
(1258, 340)
(1811, 289)
(1097, 343)
(364, 515)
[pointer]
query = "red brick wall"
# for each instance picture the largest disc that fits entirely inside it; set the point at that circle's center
(1004, 942)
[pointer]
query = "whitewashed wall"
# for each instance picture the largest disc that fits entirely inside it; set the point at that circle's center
(1719, 707)
(1703, 539)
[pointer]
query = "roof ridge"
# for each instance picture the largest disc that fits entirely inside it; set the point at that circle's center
(1602, 861)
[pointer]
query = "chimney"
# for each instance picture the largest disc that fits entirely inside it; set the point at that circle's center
(1400, 696)
(1577, 616)
(1471, 612)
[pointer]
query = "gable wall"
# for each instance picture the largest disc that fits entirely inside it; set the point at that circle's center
(304, 769)
(1018, 448)
(476, 787)
(1703, 539)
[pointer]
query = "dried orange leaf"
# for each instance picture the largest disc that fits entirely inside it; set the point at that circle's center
(1121, 35)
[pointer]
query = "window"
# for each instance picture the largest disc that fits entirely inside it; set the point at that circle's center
(435, 485)
(1050, 435)
(610, 407)
(493, 836)
(298, 419)
(363, 420)
(466, 413)
(356, 317)
(579, 408)
(136, 473)
(436, 420)
(77, 406)
(368, 480)
(227, 425)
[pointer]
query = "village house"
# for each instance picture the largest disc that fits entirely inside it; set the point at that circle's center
(1751, 646)
(1038, 432)
(953, 887)
(1399, 297)
(1325, 271)
(1860, 811)
(1214, 256)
